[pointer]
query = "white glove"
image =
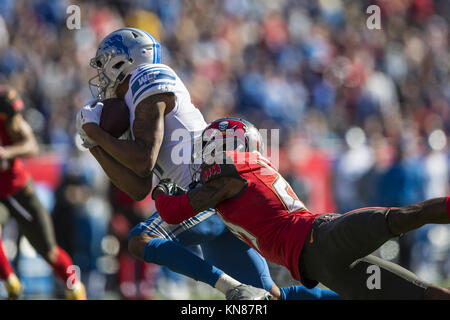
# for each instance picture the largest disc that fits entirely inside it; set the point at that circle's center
(86, 115)
(90, 114)
(87, 142)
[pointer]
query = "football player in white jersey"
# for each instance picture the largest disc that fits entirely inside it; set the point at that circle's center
(129, 67)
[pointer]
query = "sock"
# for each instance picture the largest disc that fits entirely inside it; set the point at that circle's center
(181, 260)
(5, 267)
(302, 293)
(61, 267)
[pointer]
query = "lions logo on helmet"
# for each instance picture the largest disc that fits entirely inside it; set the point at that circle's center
(118, 56)
(116, 42)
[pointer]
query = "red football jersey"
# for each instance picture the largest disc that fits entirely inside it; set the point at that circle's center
(13, 176)
(268, 215)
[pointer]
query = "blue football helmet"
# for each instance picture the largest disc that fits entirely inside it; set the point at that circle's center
(118, 55)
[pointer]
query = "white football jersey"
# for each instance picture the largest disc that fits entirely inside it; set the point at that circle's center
(150, 79)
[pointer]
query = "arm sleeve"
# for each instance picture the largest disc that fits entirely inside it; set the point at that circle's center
(174, 209)
(151, 79)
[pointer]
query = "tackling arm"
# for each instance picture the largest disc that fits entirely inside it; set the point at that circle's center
(21, 134)
(175, 209)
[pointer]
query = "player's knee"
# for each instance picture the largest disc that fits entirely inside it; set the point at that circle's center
(50, 254)
(135, 246)
(137, 243)
(403, 219)
(407, 210)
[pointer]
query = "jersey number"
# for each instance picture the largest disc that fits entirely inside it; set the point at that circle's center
(287, 195)
(283, 190)
(290, 201)
(241, 233)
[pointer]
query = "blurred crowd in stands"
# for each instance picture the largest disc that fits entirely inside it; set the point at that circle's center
(363, 114)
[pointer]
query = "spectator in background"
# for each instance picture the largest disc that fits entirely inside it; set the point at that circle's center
(349, 167)
(81, 220)
(136, 279)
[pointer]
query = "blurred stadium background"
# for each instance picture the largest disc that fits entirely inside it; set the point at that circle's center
(364, 117)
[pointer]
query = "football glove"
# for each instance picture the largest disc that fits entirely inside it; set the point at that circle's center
(246, 292)
(91, 112)
(168, 187)
(87, 142)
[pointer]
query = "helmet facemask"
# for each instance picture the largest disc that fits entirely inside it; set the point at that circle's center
(103, 86)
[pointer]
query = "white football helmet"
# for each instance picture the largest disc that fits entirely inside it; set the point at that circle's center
(118, 55)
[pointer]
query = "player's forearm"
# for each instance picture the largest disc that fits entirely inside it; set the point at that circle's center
(125, 179)
(174, 209)
(215, 191)
(19, 149)
(135, 155)
(23, 140)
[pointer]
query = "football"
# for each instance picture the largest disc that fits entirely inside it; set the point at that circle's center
(115, 117)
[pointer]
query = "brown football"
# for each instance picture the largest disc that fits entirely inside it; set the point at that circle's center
(115, 117)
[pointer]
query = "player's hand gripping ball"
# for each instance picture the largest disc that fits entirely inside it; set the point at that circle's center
(88, 113)
(168, 187)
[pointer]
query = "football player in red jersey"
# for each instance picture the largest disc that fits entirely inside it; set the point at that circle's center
(17, 196)
(260, 207)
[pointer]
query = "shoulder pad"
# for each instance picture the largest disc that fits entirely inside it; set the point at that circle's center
(151, 79)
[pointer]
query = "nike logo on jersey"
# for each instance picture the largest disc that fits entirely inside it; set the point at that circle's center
(311, 240)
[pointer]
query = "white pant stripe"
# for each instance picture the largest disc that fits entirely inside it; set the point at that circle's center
(23, 212)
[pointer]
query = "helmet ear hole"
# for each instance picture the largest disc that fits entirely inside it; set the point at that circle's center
(118, 65)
